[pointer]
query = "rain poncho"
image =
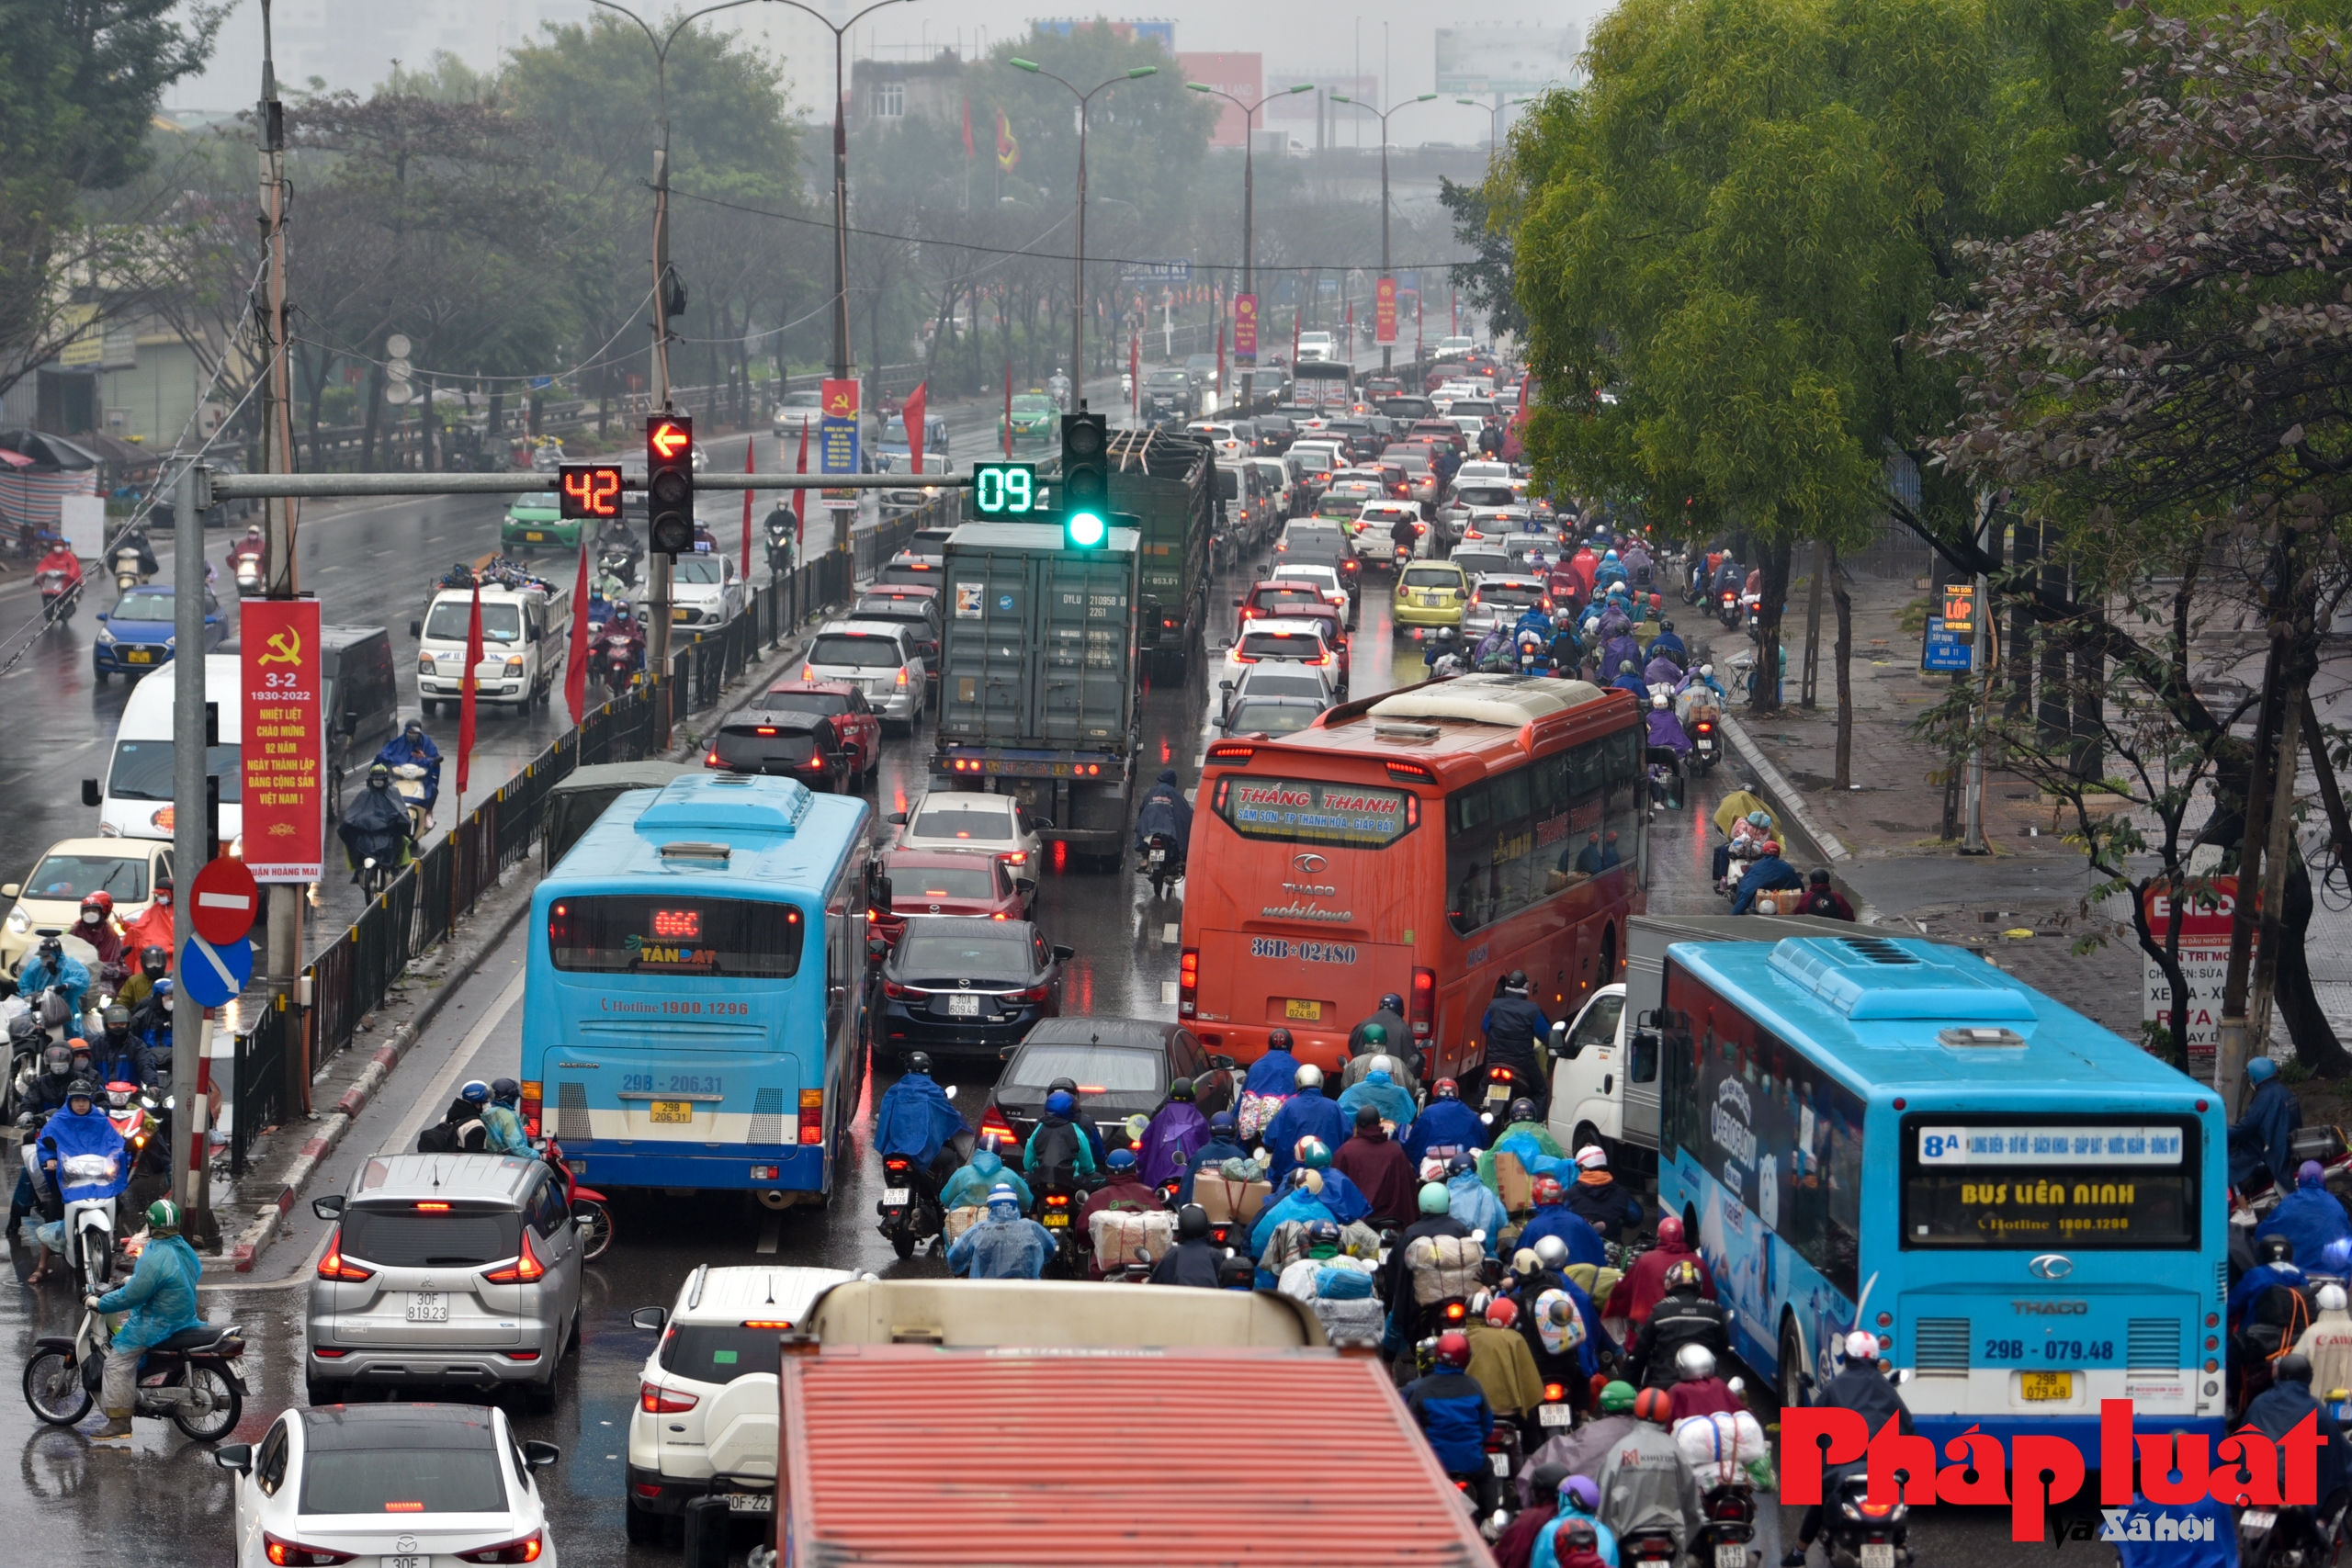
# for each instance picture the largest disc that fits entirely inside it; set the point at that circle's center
(2281, 1409)
(1165, 810)
(1620, 649)
(1170, 1142)
(375, 824)
(1769, 873)
(2328, 1344)
(1531, 1142)
(1646, 1484)
(1583, 1242)
(1382, 1092)
(1666, 730)
(916, 1119)
(2271, 1115)
(1669, 645)
(2312, 1219)
(84, 1148)
(1661, 668)
(1547, 1547)
(1478, 1209)
(1610, 571)
(399, 752)
(1445, 1126)
(160, 1296)
(1501, 1364)
(1188, 1263)
(71, 976)
(1302, 1115)
(971, 1185)
(1002, 1247)
(1300, 1203)
(1737, 804)
(1275, 1073)
(1376, 1165)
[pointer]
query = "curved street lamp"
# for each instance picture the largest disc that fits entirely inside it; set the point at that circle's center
(1078, 276)
(1388, 351)
(1248, 198)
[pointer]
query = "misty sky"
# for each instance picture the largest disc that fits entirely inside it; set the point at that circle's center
(352, 42)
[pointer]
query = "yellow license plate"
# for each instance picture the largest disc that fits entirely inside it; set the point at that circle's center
(1311, 1012)
(534, 537)
(678, 1111)
(1056, 1219)
(680, 614)
(139, 656)
(2046, 1386)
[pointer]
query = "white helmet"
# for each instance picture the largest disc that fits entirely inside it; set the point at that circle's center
(1382, 1065)
(1308, 1076)
(1657, 699)
(2331, 1298)
(1694, 1363)
(1861, 1345)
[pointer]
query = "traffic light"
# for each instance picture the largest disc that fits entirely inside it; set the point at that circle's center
(1086, 481)
(670, 481)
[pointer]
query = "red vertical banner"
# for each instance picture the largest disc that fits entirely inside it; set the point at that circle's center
(911, 414)
(284, 761)
(579, 600)
(466, 700)
(1418, 352)
(575, 659)
(800, 499)
(1384, 311)
(1348, 340)
(1245, 328)
(1220, 360)
(1294, 334)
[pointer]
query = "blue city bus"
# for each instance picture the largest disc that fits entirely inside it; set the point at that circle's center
(1864, 1131)
(691, 1002)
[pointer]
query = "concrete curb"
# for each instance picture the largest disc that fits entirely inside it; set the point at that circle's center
(238, 1255)
(1791, 799)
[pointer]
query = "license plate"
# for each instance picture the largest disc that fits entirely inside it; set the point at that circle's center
(1555, 1416)
(1497, 1093)
(407, 1562)
(751, 1503)
(1159, 857)
(1056, 1220)
(894, 1194)
(681, 615)
(1312, 1012)
(1731, 1554)
(1878, 1554)
(1501, 1463)
(678, 1111)
(534, 537)
(961, 1006)
(139, 656)
(428, 1306)
(2046, 1386)
(2257, 1519)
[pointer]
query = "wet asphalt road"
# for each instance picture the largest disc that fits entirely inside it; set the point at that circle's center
(166, 1502)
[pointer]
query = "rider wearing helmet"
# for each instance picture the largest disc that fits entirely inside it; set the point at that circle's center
(412, 747)
(1643, 1286)
(160, 1296)
(95, 926)
(51, 965)
(80, 1129)
(2328, 1341)
(970, 1186)
(1307, 1113)
(1175, 1134)
(1473, 1203)
(1445, 1127)
(502, 1119)
(1224, 1144)
(1124, 1190)
(1684, 1317)
(1860, 1387)
(117, 1056)
(1276, 1073)
(1646, 1486)
(1059, 1152)
(1377, 1168)
(2313, 1221)
(154, 962)
(915, 1118)
(375, 824)
(1454, 1413)
(1515, 1028)
(1598, 1198)
(2289, 1403)
(1378, 1087)
(1670, 643)
(1554, 1218)
(1390, 1016)
(1502, 1365)
(1193, 1260)
(1697, 1390)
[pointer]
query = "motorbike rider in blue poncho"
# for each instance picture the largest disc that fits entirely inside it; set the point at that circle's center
(1341, 1195)
(1224, 1144)
(160, 1296)
(1473, 1205)
(1164, 810)
(1004, 1245)
(51, 966)
(1552, 1217)
(2266, 1127)
(985, 1170)
(85, 1159)
(2314, 1223)
(1669, 644)
(1445, 1126)
(1304, 1203)
(1306, 1114)
(1276, 1072)
(412, 747)
(1380, 1089)
(916, 1118)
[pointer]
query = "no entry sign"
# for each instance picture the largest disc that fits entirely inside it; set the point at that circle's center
(223, 902)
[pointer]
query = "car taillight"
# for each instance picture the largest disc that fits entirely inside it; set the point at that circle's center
(1423, 1015)
(333, 1267)
(1033, 994)
(655, 1400)
(526, 1269)
(1188, 983)
(994, 1125)
(895, 991)
(711, 760)
(523, 1549)
(812, 1116)
(294, 1554)
(807, 672)
(902, 677)
(1018, 857)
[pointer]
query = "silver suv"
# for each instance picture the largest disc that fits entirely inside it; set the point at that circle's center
(446, 1268)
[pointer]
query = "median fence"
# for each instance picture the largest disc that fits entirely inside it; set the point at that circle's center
(352, 977)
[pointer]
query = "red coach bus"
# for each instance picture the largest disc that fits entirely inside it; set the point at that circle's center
(1426, 841)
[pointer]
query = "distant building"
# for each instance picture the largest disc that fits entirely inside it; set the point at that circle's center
(885, 91)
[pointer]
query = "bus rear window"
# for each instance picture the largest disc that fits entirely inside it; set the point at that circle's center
(1991, 1183)
(632, 934)
(1310, 811)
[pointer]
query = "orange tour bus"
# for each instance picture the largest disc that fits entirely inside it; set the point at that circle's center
(1426, 841)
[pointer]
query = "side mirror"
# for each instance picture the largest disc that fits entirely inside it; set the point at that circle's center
(1559, 1043)
(897, 818)
(653, 1319)
(90, 796)
(102, 614)
(238, 1456)
(1064, 955)
(10, 889)
(416, 628)
(877, 947)
(539, 1455)
(1225, 685)
(1024, 886)
(951, 1091)
(1041, 824)
(882, 893)
(329, 1207)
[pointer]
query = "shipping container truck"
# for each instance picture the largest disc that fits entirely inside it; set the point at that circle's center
(1038, 694)
(1166, 481)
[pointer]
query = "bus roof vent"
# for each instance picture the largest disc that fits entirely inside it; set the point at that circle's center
(688, 849)
(700, 806)
(1874, 977)
(1979, 1034)
(1511, 700)
(1417, 733)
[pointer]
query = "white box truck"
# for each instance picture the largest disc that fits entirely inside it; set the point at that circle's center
(525, 634)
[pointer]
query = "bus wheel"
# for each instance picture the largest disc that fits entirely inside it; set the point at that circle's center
(1792, 1379)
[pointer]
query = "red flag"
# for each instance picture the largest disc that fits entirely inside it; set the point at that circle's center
(746, 511)
(1294, 336)
(466, 701)
(1008, 408)
(1417, 324)
(575, 661)
(911, 414)
(1220, 359)
(967, 128)
(800, 501)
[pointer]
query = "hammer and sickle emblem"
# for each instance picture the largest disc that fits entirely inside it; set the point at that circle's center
(285, 647)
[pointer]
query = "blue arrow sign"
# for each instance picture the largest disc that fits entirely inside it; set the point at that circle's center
(215, 975)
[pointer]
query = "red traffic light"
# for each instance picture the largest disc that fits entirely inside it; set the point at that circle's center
(669, 437)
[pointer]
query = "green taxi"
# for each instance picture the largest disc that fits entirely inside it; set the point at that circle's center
(532, 524)
(1429, 594)
(1035, 422)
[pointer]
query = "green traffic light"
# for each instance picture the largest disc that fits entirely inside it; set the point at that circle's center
(1086, 531)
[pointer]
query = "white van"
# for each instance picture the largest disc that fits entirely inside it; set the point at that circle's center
(135, 801)
(523, 634)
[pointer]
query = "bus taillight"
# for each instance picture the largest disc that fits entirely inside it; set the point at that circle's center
(531, 1106)
(1424, 1003)
(812, 1115)
(1188, 983)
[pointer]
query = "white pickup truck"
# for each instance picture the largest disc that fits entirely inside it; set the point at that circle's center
(525, 634)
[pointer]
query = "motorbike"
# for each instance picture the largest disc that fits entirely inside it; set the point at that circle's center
(129, 573)
(547, 455)
(1646, 1546)
(616, 565)
(618, 661)
(195, 1379)
(1058, 1207)
(779, 551)
(1727, 607)
(1162, 862)
(910, 1206)
(408, 783)
(249, 584)
(584, 1203)
(1727, 1536)
(1399, 558)
(1706, 743)
(133, 1112)
(1500, 1083)
(89, 1223)
(1863, 1534)
(1666, 777)
(59, 593)
(1490, 1491)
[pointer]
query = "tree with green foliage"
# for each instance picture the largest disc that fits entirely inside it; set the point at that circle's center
(1487, 283)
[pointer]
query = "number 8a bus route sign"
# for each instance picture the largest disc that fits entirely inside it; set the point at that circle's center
(283, 740)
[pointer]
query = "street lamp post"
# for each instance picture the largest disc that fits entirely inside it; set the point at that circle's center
(1078, 284)
(1388, 351)
(1248, 201)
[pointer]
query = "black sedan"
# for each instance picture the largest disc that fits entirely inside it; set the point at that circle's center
(787, 745)
(1122, 1066)
(967, 987)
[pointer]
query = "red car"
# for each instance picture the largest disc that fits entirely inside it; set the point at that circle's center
(1266, 600)
(941, 882)
(857, 726)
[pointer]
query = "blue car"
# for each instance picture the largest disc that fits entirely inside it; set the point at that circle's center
(137, 635)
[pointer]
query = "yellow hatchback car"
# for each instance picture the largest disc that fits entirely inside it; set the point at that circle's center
(1429, 594)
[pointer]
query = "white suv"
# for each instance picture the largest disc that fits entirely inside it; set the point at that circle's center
(706, 1415)
(877, 656)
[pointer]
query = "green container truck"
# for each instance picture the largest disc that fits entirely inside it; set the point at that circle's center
(1037, 686)
(1167, 482)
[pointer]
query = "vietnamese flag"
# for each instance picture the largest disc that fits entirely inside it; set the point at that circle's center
(967, 128)
(800, 497)
(466, 703)
(911, 414)
(575, 659)
(747, 506)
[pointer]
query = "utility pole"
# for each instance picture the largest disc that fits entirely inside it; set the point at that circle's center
(1387, 350)
(1248, 203)
(1078, 262)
